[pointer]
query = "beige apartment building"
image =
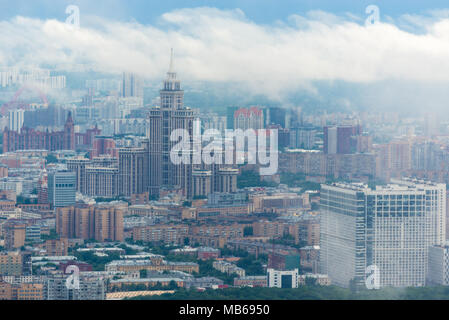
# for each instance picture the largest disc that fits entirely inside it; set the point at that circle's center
(11, 264)
(100, 222)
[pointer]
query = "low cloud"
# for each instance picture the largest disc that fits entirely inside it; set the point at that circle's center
(226, 46)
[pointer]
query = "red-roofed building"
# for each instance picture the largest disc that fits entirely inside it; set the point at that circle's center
(251, 118)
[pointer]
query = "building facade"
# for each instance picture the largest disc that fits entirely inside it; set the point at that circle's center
(282, 279)
(30, 139)
(170, 116)
(339, 139)
(100, 222)
(133, 169)
(438, 267)
(391, 228)
(62, 188)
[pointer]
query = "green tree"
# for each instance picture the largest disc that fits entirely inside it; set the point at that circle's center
(252, 266)
(310, 282)
(52, 236)
(172, 285)
(143, 273)
(252, 179)
(248, 232)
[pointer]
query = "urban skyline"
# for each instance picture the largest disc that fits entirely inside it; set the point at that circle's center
(213, 152)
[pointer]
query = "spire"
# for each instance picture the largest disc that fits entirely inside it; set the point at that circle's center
(172, 58)
(171, 83)
(171, 74)
(69, 120)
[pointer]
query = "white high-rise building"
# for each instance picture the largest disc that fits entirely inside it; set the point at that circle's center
(391, 228)
(286, 279)
(332, 140)
(438, 269)
(16, 119)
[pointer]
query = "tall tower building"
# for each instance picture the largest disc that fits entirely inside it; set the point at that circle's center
(391, 227)
(62, 188)
(78, 165)
(133, 170)
(171, 115)
(339, 139)
(102, 181)
(16, 119)
(132, 86)
(69, 134)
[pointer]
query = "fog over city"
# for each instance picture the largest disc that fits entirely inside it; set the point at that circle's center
(397, 62)
(224, 151)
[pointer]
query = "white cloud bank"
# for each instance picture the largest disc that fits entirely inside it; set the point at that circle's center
(217, 45)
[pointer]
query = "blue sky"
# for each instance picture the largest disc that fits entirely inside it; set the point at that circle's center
(259, 11)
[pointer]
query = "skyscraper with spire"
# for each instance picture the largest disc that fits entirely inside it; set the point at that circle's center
(69, 134)
(172, 96)
(169, 116)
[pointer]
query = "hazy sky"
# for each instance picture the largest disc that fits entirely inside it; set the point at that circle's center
(270, 47)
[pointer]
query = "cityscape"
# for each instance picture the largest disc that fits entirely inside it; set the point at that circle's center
(194, 154)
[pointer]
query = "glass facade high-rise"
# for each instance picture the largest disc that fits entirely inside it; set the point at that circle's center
(391, 227)
(62, 188)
